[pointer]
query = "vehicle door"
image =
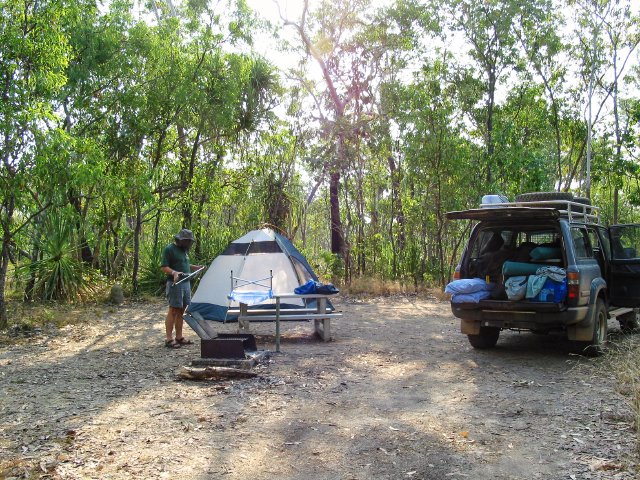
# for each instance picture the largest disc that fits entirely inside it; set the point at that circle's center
(624, 271)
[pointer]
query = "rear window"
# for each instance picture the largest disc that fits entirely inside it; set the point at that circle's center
(491, 240)
(493, 246)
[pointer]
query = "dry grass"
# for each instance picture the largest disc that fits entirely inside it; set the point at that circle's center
(377, 287)
(27, 319)
(624, 361)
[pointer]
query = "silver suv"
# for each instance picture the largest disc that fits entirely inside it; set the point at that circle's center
(520, 241)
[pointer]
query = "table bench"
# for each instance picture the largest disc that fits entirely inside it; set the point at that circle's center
(321, 315)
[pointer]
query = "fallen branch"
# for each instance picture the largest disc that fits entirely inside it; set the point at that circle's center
(214, 373)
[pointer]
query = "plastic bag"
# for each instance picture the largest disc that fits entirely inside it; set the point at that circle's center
(516, 287)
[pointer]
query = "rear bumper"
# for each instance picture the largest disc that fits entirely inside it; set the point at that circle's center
(519, 315)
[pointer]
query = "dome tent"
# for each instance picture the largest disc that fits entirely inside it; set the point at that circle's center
(254, 256)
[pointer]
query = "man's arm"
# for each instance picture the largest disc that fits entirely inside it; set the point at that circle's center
(172, 273)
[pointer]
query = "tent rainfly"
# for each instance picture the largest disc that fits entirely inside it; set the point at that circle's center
(254, 256)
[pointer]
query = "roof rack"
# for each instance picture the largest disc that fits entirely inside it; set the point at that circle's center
(573, 211)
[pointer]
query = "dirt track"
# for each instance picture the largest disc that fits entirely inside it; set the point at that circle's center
(398, 394)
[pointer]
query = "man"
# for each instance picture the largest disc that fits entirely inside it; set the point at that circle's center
(175, 263)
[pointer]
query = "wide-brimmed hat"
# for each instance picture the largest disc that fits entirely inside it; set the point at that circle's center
(185, 234)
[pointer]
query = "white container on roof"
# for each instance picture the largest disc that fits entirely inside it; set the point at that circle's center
(493, 201)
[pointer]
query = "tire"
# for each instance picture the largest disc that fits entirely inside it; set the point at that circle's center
(544, 196)
(598, 343)
(582, 200)
(487, 338)
(629, 322)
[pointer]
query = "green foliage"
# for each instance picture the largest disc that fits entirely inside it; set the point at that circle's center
(331, 266)
(59, 274)
(152, 279)
(131, 126)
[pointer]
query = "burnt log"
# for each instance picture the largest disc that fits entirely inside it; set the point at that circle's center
(214, 373)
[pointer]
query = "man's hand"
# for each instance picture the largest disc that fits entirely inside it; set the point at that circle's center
(176, 276)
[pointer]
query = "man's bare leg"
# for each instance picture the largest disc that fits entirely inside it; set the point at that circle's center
(179, 321)
(172, 321)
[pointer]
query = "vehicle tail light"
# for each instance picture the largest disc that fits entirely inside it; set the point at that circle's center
(573, 287)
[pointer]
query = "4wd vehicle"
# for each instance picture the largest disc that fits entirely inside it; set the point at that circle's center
(568, 272)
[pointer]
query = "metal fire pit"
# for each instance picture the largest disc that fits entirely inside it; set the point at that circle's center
(228, 346)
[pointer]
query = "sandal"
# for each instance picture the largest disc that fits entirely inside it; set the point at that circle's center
(183, 341)
(172, 344)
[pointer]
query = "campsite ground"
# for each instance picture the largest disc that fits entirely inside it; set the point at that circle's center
(399, 393)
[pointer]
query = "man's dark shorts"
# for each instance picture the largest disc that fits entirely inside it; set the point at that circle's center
(179, 296)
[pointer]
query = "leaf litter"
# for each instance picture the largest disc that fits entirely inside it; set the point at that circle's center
(408, 398)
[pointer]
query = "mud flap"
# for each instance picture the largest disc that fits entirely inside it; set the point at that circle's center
(470, 327)
(582, 331)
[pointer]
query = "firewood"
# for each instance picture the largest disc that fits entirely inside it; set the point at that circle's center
(214, 373)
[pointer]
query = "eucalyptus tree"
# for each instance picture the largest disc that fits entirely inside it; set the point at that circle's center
(379, 168)
(606, 39)
(526, 140)
(331, 36)
(271, 162)
(544, 52)
(33, 56)
(623, 33)
(437, 156)
(548, 60)
(615, 34)
(489, 29)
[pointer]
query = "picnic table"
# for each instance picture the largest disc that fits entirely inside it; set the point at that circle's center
(321, 315)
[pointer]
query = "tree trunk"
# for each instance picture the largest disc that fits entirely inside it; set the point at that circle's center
(4, 262)
(490, 106)
(4, 257)
(121, 250)
(398, 211)
(35, 254)
(555, 121)
(85, 251)
(136, 249)
(156, 232)
(616, 118)
(337, 238)
(189, 162)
